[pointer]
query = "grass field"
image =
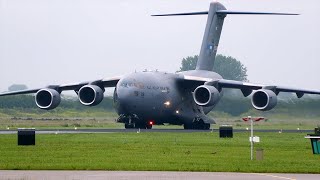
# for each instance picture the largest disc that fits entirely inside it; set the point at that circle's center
(286, 152)
(109, 122)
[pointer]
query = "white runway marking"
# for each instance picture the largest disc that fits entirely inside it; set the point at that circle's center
(274, 176)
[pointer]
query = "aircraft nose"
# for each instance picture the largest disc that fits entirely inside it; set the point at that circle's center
(123, 100)
(132, 101)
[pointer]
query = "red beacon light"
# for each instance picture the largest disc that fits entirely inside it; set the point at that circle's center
(151, 122)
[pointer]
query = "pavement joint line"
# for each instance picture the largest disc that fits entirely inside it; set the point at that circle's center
(274, 176)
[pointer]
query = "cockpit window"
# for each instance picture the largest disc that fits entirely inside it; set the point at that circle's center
(136, 93)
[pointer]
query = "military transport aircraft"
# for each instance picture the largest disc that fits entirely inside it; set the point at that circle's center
(143, 99)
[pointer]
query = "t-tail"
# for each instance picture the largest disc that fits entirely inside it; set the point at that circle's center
(216, 14)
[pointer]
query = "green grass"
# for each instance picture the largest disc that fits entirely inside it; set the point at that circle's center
(161, 152)
(56, 113)
(69, 124)
(109, 122)
(61, 118)
(59, 124)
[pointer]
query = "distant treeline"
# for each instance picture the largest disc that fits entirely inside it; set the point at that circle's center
(228, 104)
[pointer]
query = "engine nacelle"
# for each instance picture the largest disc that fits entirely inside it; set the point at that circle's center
(90, 95)
(47, 99)
(264, 100)
(206, 95)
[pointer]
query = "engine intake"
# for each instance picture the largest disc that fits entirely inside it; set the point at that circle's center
(206, 95)
(90, 95)
(264, 100)
(47, 99)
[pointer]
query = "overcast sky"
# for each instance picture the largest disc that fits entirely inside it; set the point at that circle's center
(46, 42)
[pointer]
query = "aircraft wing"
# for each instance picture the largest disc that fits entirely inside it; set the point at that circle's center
(106, 82)
(246, 87)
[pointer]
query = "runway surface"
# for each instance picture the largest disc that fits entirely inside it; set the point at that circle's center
(139, 175)
(70, 131)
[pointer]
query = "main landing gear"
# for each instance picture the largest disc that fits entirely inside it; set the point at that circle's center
(138, 125)
(197, 124)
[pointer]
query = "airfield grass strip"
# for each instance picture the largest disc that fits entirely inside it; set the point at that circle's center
(109, 122)
(283, 153)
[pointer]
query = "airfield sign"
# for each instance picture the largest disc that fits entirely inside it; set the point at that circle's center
(252, 138)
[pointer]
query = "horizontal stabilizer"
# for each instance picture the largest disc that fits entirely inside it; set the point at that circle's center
(225, 12)
(183, 14)
(253, 13)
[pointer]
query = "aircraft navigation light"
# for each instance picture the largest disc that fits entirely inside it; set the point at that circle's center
(177, 111)
(151, 122)
(167, 103)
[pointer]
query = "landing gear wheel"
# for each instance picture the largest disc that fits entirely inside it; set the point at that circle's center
(187, 126)
(149, 126)
(129, 126)
(206, 126)
(200, 125)
(140, 126)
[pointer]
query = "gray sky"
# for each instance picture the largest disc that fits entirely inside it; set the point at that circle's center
(59, 41)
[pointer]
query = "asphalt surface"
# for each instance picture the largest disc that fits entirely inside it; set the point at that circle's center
(70, 131)
(140, 175)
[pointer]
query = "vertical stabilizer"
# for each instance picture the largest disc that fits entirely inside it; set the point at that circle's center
(211, 37)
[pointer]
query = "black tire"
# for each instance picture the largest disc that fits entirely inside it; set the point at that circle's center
(187, 126)
(206, 126)
(140, 126)
(149, 126)
(129, 126)
(200, 125)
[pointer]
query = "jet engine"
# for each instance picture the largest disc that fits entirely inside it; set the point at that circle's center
(90, 95)
(264, 100)
(47, 99)
(206, 95)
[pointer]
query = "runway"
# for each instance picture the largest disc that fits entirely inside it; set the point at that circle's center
(139, 175)
(74, 131)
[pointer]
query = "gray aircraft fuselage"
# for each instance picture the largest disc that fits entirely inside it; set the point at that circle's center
(158, 97)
